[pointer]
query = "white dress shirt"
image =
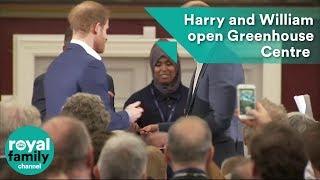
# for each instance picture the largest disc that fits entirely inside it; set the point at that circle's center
(87, 48)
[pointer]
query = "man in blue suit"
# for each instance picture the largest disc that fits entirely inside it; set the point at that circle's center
(80, 69)
(38, 97)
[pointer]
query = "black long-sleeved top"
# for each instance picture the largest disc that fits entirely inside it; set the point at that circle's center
(166, 102)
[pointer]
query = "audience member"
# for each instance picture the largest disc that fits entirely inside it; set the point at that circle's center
(265, 112)
(190, 148)
(312, 143)
(13, 116)
(213, 171)
(301, 122)
(156, 166)
(277, 112)
(242, 170)
(124, 156)
(99, 138)
(229, 165)
(72, 146)
(89, 109)
(277, 152)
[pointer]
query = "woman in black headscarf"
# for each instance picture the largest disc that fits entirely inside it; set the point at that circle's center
(164, 99)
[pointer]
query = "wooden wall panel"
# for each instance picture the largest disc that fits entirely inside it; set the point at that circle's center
(298, 79)
(10, 26)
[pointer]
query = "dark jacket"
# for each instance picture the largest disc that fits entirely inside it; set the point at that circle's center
(189, 173)
(175, 101)
(38, 97)
(214, 100)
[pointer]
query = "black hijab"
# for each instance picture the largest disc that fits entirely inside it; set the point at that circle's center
(155, 54)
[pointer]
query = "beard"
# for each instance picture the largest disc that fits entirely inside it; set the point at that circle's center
(99, 45)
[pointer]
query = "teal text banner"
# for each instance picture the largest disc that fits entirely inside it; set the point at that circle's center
(244, 35)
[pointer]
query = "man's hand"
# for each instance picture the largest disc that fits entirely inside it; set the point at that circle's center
(134, 111)
(260, 114)
(152, 128)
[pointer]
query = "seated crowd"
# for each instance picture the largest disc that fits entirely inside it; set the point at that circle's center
(280, 145)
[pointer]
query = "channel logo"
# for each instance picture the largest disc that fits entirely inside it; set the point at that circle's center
(29, 150)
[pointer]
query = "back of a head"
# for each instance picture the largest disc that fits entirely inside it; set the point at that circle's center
(86, 14)
(89, 109)
(189, 140)
(229, 164)
(123, 156)
(98, 139)
(301, 122)
(156, 167)
(277, 151)
(71, 139)
(13, 116)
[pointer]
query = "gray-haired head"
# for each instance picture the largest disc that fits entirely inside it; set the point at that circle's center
(189, 140)
(301, 122)
(89, 109)
(14, 115)
(123, 156)
(277, 112)
(72, 141)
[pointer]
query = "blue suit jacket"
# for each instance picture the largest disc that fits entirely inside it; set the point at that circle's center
(39, 99)
(215, 95)
(76, 71)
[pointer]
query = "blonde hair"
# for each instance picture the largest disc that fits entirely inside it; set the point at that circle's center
(156, 166)
(229, 164)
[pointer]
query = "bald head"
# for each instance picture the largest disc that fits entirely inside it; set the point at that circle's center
(57, 128)
(189, 140)
(195, 4)
(191, 128)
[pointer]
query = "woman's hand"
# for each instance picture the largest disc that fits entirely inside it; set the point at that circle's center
(152, 128)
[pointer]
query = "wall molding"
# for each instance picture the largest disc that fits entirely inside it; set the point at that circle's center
(26, 49)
